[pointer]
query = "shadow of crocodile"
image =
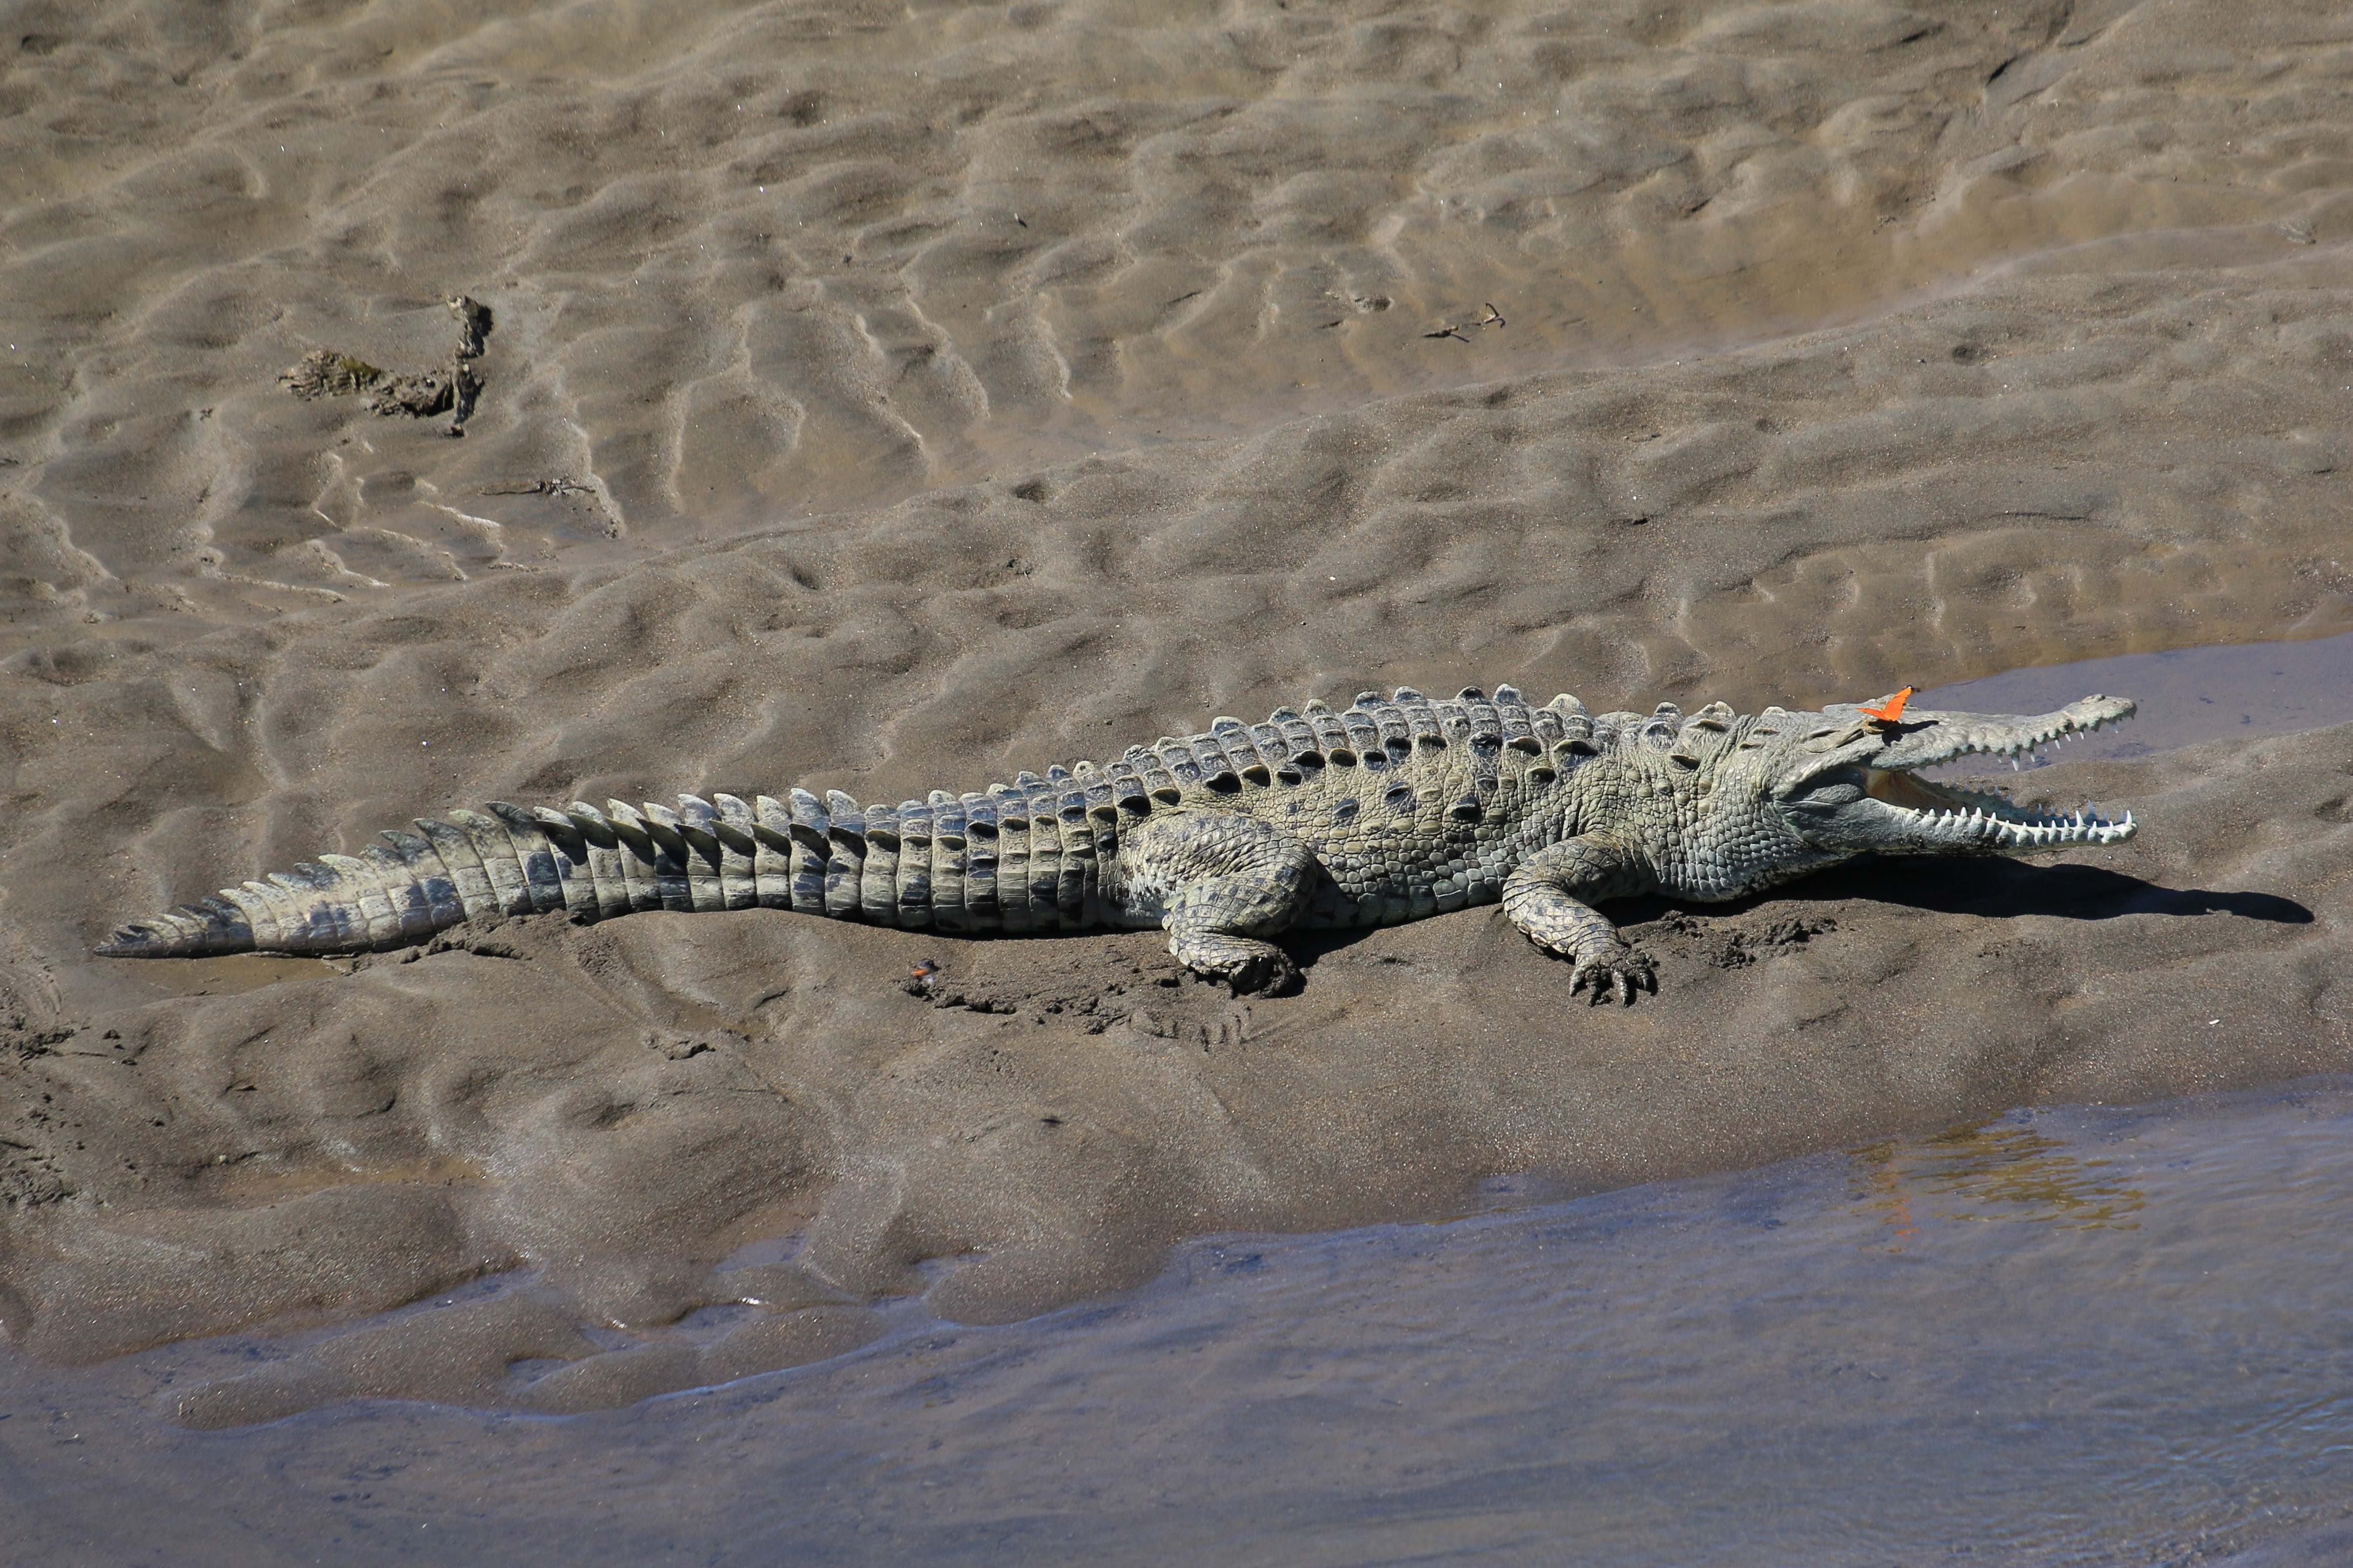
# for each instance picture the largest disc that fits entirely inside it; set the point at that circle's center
(1991, 889)
(2005, 889)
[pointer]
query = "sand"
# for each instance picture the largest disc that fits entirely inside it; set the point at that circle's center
(889, 399)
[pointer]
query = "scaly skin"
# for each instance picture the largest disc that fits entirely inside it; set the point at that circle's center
(1396, 808)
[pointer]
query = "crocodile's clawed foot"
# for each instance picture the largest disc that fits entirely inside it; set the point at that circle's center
(1615, 975)
(1270, 972)
(1243, 963)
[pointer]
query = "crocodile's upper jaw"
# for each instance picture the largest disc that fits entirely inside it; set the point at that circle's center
(1853, 787)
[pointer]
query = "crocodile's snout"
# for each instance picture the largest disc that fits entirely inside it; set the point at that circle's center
(1871, 797)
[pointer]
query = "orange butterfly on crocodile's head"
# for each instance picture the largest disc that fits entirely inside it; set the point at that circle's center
(1890, 711)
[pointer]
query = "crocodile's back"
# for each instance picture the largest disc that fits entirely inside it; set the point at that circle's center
(1410, 807)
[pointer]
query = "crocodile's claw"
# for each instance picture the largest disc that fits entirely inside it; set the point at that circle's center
(1271, 974)
(1614, 977)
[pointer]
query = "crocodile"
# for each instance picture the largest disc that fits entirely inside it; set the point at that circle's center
(1389, 810)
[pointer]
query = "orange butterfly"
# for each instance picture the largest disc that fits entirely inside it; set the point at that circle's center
(1890, 711)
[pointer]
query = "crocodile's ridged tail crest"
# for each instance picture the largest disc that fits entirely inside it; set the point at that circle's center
(704, 855)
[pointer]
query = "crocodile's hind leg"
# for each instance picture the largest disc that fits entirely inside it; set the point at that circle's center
(1220, 884)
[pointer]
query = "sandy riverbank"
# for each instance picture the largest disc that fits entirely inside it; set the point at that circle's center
(894, 401)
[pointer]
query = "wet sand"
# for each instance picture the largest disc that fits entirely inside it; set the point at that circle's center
(893, 400)
(2029, 1342)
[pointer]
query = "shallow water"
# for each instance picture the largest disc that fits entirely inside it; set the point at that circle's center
(2186, 694)
(2076, 1336)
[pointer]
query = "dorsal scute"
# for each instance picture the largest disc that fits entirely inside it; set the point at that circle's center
(1011, 804)
(1516, 723)
(1483, 728)
(1302, 742)
(734, 820)
(1215, 767)
(1092, 782)
(914, 820)
(1422, 720)
(1235, 745)
(1659, 728)
(1706, 732)
(979, 816)
(1365, 739)
(1129, 791)
(1610, 730)
(1328, 733)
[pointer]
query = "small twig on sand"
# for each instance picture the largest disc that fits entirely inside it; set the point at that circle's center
(563, 485)
(1493, 318)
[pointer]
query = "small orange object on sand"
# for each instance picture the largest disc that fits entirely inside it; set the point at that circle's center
(1892, 711)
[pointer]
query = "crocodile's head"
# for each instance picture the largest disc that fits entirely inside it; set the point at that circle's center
(1847, 781)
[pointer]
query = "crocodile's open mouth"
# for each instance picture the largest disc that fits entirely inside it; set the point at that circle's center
(1944, 811)
(1947, 814)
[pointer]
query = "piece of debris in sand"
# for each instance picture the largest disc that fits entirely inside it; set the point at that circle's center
(324, 373)
(562, 485)
(452, 390)
(1456, 330)
(473, 324)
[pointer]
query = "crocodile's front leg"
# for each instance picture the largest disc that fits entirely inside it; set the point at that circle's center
(1218, 884)
(1550, 898)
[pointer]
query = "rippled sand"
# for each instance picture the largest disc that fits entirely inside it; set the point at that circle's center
(890, 399)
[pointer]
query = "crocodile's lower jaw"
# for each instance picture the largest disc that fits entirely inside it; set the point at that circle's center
(1946, 815)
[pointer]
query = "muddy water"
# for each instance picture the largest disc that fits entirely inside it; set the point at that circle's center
(2078, 1335)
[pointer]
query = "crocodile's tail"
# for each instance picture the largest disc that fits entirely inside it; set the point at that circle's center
(719, 854)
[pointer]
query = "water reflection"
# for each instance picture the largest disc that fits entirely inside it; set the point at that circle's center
(2002, 1169)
